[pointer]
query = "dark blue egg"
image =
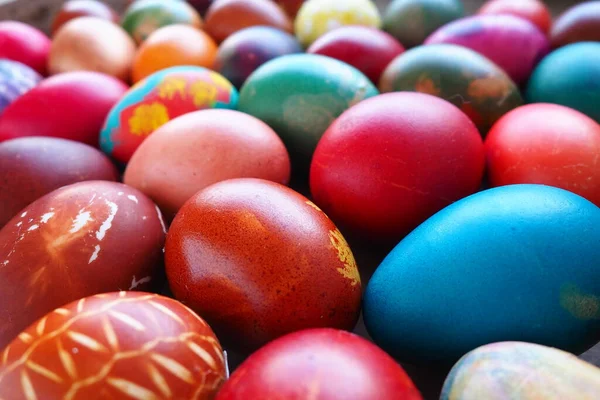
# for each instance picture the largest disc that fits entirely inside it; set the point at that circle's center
(15, 80)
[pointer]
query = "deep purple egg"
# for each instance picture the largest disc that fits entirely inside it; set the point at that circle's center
(513, 43)
(15, 80)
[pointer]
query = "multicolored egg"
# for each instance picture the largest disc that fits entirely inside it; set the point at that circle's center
(317, 17)
(470, 275)
(156, 100)
(325, 364)
(300, 95)
(80, 240)
(412, 21)
(118, 346)
(533, 10)
(143, 17)
(513, 43)
(522, 371)
(258, 260)
(569, 76)
(15, 80)
(25, 44)
(246, 50)
(459, 75)
(82, 8)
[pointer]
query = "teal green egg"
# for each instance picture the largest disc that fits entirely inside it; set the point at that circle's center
(516, 263)
(300, 95)
(569, 76)
(524, 371)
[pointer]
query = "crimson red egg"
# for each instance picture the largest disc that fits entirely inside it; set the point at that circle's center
(32, 167)
(533, 10)
(390, 162)
(546, 144)
(368, 49)
(71, 106)
(25, 44)
(80, 240)
(114, 346)
(320, 364)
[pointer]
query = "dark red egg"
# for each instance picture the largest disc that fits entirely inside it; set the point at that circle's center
(533, 10)
(546, 144)
(258, 260)
(291, 7)
(80, 240)
(392, 161)
(319, 364)
(83, 8)
(32, 167)
(25, 44)
(368, 49)
(580, 23)
(71, 106)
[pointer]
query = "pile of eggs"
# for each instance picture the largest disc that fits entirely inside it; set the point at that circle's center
(189, 182)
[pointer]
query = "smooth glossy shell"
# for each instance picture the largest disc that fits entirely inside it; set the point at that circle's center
(25, 44)
(115, 346)
(15, 80)
(459, 75)
(80, 240)
(580, 23)
(258, 260)
(82, 8)
(533, 10)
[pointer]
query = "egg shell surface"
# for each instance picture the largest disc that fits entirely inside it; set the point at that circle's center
(15, 80)
(534, 11)
(25, 44)
(580, 23)
(83, 8)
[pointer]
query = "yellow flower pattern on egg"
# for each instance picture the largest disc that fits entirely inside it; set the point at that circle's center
(147, 118)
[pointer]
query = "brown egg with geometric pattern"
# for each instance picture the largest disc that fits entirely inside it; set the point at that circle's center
(122, 345)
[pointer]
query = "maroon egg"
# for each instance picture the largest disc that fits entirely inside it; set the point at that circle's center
(368, 49)
(80, 240)
(580, 23)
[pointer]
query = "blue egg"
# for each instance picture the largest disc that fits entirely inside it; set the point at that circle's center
(15, 80)
(514, 263)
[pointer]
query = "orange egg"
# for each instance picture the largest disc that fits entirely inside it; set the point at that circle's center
(171, 46)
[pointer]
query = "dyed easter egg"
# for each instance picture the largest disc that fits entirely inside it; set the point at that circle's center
(233, 145)
(317, 17)
(116, 346)
(411, 21)
(470, 275)
(82, 8)
(291, 7)
(172, 46)
(513, 43)
(396, 132)
(367, 49)
(70, 106)
(569, 76)
(258, 260)
(524, 371)
(533, 10)
(580, 23)
(143, 17)
(326, 364)
(226, 17)
(15, 80)
(546, 144)
(156, 100)
(461, 76)
(32, 167)
(246, 50)
(83, 239)
(300, 95)
(92, 44)
(25, 44)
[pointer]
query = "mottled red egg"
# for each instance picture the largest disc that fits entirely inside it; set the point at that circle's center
(320, 364)
(167, 168)
(368, 49)
(392, 161)
(80, 240)
(25, 44)
(114, 346)
(83, 8)
(72, 106)
(546, 144)
(258, 260)
(580, 23)
(32, 167)
(533, 10)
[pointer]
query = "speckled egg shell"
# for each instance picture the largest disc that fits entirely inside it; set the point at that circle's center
(258, 260)
(513, 43)
(524, 371)
(15, 80)
(569, 76)
(82, 8)
(156, 100)
(32, 167)
(580, 23)
(25, 44)
(300, 95)
(83, 239)
(470, 275)
(459, 75)
(532, 10)
(324, 364)
(114, 346)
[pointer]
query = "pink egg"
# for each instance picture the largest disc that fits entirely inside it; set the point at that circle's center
(25, 44)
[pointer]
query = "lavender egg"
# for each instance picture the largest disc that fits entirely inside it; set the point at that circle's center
(15, 80)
